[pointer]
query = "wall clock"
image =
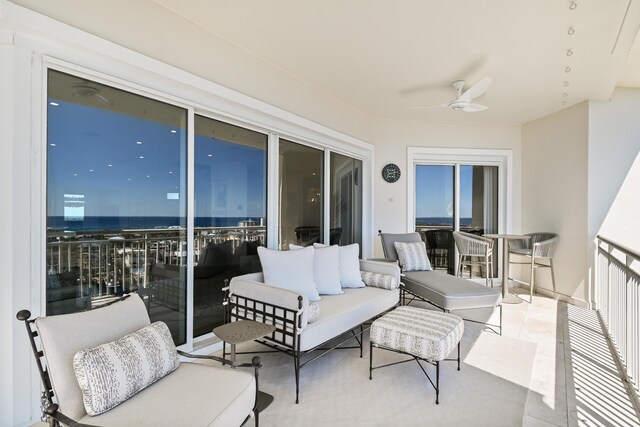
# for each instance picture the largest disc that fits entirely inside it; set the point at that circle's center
(391, 172)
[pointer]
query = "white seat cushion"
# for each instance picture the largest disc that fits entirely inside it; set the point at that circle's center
(340, 313)
(209, 396)
(427, 334)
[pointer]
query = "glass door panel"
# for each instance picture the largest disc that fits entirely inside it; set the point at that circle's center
(346, 200)
(116, 200)
(434, 204)
(301, 195)
(479, 203)
(230, 185)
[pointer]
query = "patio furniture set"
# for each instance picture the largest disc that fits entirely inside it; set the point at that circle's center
(305, 303)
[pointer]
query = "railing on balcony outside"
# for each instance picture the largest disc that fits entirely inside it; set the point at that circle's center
(110, 262)
(618, 302)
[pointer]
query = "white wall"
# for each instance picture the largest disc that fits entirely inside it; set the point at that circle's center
(178, 42)
(614, 168)
(554, 193)
(391, 140)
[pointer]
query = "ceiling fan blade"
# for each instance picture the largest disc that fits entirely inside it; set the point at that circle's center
(476, 90)
(430, 106)
(472, 108)
(103, 98)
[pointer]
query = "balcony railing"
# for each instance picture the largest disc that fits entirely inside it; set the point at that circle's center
(618, 303)
(110, 262)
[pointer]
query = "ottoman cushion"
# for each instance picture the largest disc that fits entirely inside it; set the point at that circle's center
(427, 334)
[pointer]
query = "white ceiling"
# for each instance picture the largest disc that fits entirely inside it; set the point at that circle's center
(382, 57)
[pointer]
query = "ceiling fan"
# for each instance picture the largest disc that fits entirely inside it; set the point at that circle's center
(86, 90)
(462, 102)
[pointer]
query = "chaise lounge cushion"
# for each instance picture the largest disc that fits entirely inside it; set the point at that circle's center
(214, 397)
(450, 292)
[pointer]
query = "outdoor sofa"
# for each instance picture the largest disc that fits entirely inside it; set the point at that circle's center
(345, 316)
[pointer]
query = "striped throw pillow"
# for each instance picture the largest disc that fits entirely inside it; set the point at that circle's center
(379, 280)
(412, 256)
(113, 372)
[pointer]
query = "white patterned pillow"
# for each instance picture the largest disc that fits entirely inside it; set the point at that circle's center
(314, 312)
(412, 256)
(113, 372)
(379, 280)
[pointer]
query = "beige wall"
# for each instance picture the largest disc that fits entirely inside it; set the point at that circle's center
(391, 140)
(614, 168)
(554, 193)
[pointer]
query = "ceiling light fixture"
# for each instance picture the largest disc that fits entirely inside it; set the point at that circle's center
(55, 104)
(139, 142)
(53, 145)
(565, 94)
(566, 83)
(569, 52)
(173, 131)
(141, 157)
(110, 165)
(573, 4)
(90, 170)
(567, 69)
(571, 31)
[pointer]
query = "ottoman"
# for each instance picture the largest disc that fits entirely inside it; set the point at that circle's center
(425, 335)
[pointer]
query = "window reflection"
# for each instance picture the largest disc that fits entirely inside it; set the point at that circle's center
(346, 200)
(230, 213)
(301, 194)
(116, 205)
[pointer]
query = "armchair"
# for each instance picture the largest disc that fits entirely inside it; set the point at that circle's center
(540, 246)
(190, 394)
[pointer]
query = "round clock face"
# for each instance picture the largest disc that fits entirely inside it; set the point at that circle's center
(391, 172)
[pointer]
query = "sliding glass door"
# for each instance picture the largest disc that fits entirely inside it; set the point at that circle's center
(454, 197)
(230, 186)
(116, 200)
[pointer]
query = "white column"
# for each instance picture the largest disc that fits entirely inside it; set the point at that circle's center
(21, 283)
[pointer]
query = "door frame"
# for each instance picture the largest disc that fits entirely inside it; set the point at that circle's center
(501, 158)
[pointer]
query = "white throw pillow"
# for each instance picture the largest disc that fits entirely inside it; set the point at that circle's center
(326, 269)
(292, 270)
(412, 256)
(349, 265)
(113, 372)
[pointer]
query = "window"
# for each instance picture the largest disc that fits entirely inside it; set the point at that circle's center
(116, 200)
(230, 213)
(345, 201)
(301, 194)
(458, 189)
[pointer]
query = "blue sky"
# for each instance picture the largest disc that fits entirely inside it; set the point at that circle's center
(128, 166)
(434, 190)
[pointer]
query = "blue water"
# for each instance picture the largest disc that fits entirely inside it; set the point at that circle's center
(441, 220)
(108, 223)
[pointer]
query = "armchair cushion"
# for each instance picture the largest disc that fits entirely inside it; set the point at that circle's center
(111, 373)
(63, 336)
(412, 256)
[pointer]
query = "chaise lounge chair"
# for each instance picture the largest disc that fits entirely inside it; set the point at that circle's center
(446, 292)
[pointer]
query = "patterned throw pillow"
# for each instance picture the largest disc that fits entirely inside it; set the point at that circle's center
(113, 372)
(379, 280)
(412, 256)
(314, 312)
